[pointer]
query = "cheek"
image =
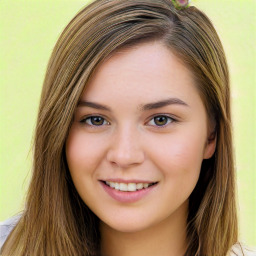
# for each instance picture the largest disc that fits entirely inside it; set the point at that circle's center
(178, 159)
(179, 154)
(83, 152)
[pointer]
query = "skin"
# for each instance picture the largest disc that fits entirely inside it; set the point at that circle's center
(129, 143)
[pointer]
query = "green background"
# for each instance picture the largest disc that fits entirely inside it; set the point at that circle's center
(28, 32)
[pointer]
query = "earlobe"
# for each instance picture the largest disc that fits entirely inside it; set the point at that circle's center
(210, 145)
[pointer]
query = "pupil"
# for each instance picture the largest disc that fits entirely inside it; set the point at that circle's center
(160, 120)
(97, 120)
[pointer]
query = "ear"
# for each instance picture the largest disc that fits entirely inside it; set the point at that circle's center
(210, 145)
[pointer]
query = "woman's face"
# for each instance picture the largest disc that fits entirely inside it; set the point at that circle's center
(139, 136)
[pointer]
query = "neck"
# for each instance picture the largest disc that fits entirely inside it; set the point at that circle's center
(167, 238)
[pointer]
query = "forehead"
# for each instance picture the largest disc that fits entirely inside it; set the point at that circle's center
(144, 72)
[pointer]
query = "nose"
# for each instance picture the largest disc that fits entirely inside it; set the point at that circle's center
(125, 148)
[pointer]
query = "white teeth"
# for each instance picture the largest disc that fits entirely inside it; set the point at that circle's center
(131, 187)
(145, 185)
(139, 185)
(117, 186)
(123, 187)
(128, 186)
(112, 184)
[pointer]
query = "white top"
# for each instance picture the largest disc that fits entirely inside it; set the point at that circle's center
(241, 250)
(7, 226)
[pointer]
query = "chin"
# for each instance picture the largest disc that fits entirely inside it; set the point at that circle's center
(127, 227)
(129, 224)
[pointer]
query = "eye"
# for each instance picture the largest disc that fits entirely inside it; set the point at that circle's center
(95, 121)
(161, 120)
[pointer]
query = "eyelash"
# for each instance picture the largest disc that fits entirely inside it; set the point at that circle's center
(167, 117)
(83, 121)
(105, 122)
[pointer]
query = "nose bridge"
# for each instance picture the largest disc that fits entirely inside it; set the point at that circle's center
(126, 149)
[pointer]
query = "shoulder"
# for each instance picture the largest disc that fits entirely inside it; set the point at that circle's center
(242, 250)
(6, 227)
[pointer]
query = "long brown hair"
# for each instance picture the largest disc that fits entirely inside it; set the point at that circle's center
(55, 220)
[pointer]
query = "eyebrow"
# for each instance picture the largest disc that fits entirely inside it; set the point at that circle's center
(149, 106)
(89, 104)
(163, 103)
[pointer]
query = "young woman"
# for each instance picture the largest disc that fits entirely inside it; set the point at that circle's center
(133, 146)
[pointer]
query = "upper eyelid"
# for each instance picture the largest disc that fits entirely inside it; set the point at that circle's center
(93, 115)
(83, 123)
(165, 115)
(173, 117)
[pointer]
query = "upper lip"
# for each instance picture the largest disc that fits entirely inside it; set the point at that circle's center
(128, 181)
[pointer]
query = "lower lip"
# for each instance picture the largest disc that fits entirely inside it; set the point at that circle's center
(128, 197)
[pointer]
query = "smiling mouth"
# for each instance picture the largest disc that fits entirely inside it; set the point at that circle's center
(128, 187)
